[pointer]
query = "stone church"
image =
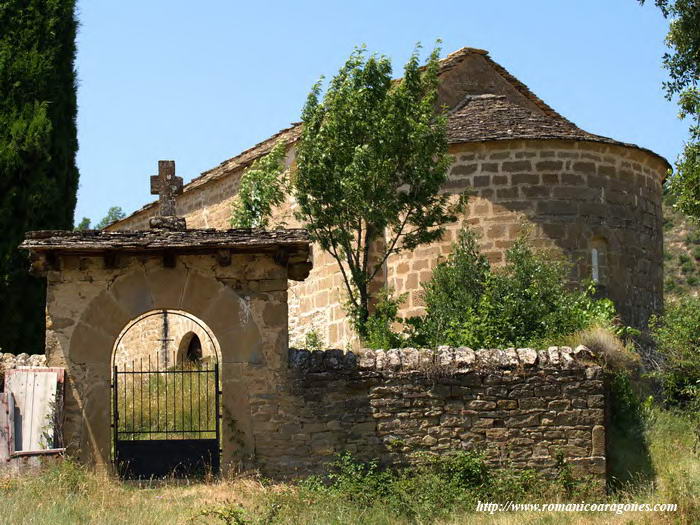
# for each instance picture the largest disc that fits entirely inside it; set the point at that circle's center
(594, 198)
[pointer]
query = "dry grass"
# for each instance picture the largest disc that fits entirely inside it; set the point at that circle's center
(69, 495)
(610, 351)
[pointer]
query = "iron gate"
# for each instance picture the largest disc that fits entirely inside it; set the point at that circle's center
(166, 419)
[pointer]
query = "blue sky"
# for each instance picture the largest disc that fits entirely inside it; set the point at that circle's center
(198, 82)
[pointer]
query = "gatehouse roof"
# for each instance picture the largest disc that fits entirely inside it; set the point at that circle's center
(196, 240)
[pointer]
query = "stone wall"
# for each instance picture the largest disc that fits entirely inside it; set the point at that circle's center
(11, 361)
(519, 406)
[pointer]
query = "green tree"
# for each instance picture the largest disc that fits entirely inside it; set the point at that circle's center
(84, 224)
(683, 65)
(263, 186)
(371, 160)
(115, 213)
(677, 336)
(38, 142)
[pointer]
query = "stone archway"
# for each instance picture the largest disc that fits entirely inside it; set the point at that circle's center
(93, 294)
(165, 337)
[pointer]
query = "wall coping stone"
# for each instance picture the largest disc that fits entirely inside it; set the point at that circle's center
(455, 360)
(10, 361)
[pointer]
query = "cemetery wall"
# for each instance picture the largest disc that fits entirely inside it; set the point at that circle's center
(520, 407)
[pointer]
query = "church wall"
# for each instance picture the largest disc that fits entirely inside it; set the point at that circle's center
(575, 196)
(144, 340)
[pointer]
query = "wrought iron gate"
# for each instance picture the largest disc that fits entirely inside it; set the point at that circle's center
(166, 419)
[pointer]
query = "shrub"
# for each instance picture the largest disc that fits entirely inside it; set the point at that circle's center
(629, 459)
(610, 350)
(683, 258)
(677, 335)
(313, 340)
(525, 302)
(379, 332)
(433, 486)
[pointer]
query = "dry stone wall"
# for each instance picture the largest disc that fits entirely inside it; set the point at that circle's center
(521, 407)
(11, 361)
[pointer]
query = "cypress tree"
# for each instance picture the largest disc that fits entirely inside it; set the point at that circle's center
(38, 143)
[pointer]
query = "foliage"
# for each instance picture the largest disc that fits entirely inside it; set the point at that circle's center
(84, 224)
(115, 213)
(263, 186)
(385, 313)
(38, 143)
(431, 488)
(371, 159)
(628, 459)
(313, 341)
(683, 65)
(524, 303)
(677, 335)
(228, 513)
(681, 243)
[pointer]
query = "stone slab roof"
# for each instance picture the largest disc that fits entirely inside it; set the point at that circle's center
(97, 241)
(482, 118)
(477, 118)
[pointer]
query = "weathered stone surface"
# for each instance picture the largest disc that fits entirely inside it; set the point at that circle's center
(527, 356)
(441, 400)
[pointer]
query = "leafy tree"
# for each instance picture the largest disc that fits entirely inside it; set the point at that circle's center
(38, 142)
(683, 65)
(677, 335)
(263, 186)
(115, 213)
(84, 224)
(371, 160)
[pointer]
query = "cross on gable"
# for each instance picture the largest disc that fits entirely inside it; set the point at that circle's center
(166, 185)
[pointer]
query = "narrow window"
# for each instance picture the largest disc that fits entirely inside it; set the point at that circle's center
(595, 269)
(599, 261)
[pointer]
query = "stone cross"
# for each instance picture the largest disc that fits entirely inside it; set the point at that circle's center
(166, 185)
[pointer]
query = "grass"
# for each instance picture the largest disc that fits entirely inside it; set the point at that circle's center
(444, 492)
(178, 400)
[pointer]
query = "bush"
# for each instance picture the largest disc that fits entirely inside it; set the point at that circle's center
(677, 335)
(379, 332)
(433, 486)
(313, 341)
(527, 302)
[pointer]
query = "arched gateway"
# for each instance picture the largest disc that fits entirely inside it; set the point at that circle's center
(98, 282)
